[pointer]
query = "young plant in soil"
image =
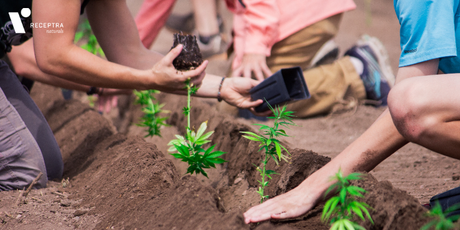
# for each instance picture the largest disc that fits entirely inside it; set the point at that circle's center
(344, 206)
(190, 148)
(152, 110)
(442, 220)
(272, 146)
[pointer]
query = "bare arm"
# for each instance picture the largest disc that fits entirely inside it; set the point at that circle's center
(127, 67)
(376, 144)
(23, 60)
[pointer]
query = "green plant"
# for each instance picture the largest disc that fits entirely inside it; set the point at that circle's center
(269, 142)
(152, 110)
(190, 148)
(343, 207)
(91, 45)
(441, 221)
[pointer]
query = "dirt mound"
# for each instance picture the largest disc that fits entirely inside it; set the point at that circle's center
(119, 181)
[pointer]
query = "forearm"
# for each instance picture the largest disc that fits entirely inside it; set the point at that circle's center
(23, 60)
(80, 66)
(34, 73)
(376, 144)
(210, 86)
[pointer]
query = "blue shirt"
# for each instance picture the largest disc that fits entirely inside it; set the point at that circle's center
(429, 30)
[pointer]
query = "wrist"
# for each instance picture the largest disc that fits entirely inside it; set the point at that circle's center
(145, 79)
(219, 91)
(226, 85)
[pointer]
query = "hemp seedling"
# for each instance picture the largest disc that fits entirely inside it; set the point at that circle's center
(344, 206)
(269, 142)
(441, 221)
(152, 110)
(189, 148)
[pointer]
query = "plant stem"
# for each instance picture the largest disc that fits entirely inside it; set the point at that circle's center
(263, 179)
(189, 92)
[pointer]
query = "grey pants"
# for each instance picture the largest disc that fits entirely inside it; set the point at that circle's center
(27, 145)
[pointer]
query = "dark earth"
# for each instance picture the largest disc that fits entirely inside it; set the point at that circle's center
(116, 179)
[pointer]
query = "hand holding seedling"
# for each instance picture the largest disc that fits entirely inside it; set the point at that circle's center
(167, 79)
(190, 148)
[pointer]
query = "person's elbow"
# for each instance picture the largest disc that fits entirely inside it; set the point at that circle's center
(51, 62)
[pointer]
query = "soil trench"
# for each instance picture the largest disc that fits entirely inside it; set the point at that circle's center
(122, 181)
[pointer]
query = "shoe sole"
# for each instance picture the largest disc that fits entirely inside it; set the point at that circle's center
(382, 56)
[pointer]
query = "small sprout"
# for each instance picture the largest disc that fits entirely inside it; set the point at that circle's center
(151, 118)
(190, 148)
(343, 207)
(269, 142)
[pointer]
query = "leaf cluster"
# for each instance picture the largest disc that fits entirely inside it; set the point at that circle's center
(152, 110)
(190, 149)
(268, 141)
(344, 206)
(268, 138)
(91, 45)
(442, 219)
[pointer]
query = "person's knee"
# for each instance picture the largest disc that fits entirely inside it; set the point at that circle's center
(408, 104)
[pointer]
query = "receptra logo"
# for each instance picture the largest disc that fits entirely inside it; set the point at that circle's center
(16, 20)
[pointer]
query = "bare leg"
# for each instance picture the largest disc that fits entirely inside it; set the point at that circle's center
(206, 17)
(430, 115)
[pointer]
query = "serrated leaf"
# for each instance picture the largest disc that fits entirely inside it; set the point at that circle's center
(201, 130)
(215, 154)
(216, 160)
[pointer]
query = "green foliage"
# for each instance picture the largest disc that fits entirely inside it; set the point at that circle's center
(190, 148)
(91, 45)
(152, 110)
(269, 142)
(343, 207)
(441, 221)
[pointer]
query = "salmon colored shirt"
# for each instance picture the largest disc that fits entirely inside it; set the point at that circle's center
(259, 24)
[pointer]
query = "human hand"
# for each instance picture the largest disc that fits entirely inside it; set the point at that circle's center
(289, 205)
(253, 63)
(235, 91)
(107, 99)
(106, 103)
(168, 79)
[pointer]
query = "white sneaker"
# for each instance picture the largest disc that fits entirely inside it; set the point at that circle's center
(382, 56)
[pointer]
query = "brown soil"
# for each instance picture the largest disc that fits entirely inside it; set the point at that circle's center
(119, 180)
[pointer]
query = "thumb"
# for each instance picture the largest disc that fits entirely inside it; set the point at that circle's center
(173, 53)
(255, 82)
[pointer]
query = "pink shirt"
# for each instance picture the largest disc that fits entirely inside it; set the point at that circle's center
(262, 23)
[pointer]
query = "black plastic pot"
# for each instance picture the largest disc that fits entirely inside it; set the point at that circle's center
(285, 86)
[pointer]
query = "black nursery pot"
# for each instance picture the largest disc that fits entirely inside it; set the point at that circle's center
(285, 86)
